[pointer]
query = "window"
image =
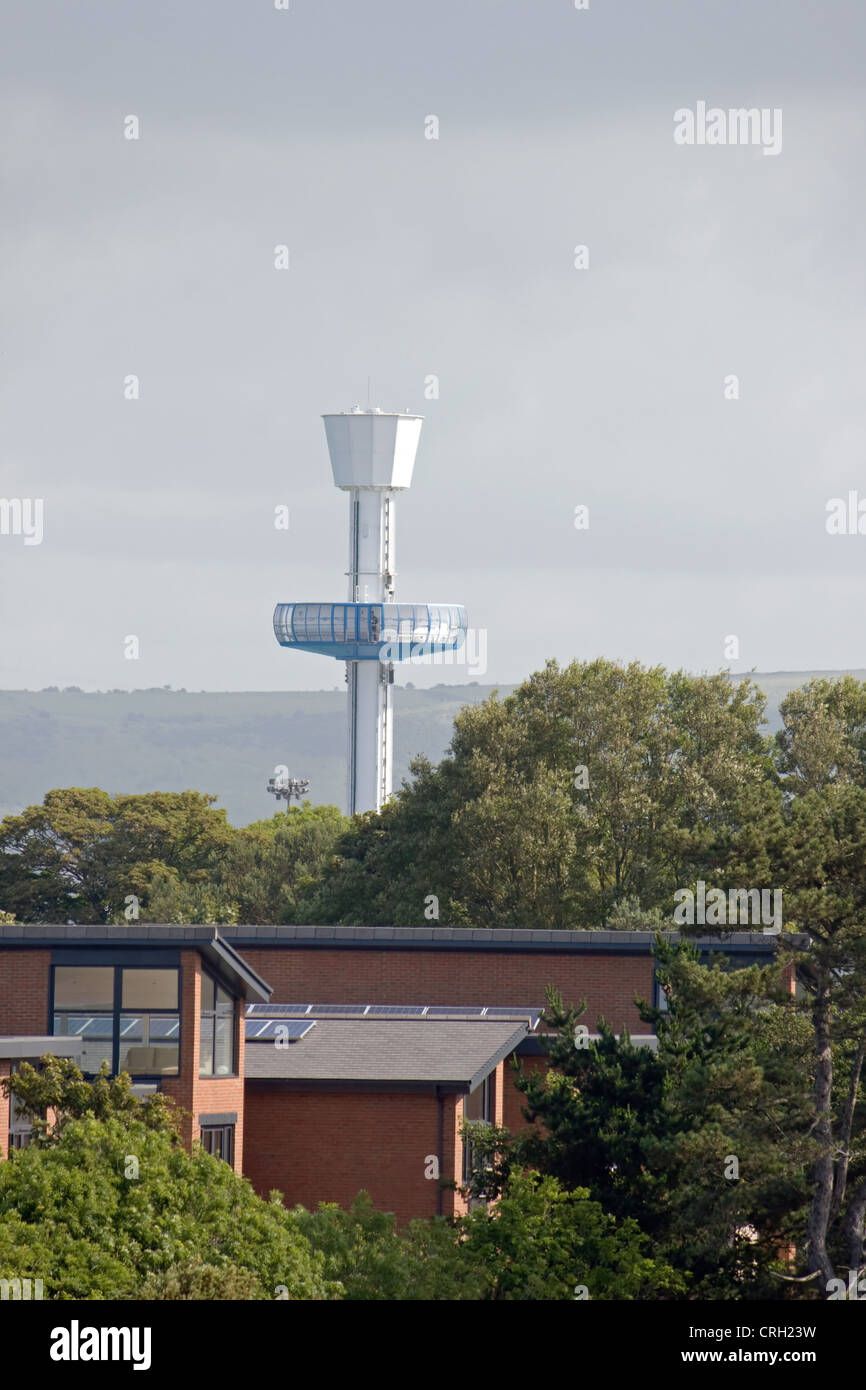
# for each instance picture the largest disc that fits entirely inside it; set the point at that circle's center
(478, 1105)
(149, 1022)
(217, 1039)
(219, 1140)
(477, 1108)
(20, 1125)
(149, 989)
(126, 1016)
(661, 998)
(84, 987)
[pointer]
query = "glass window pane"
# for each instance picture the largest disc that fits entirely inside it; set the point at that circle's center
(224, 1002)
(163, 1029)
(84, 986)
(96, 1032)
(477, 1105)
(205, 1054)
(149, 1045)
(149, 989)
(207, 992)
(223, 1047)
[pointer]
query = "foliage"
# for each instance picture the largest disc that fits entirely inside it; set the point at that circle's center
(108, 1204)
(193, 1279)
(58, 1089)
(651, 1134)
(585, 787)
(70, 1216)
(823, 866)
(823, 738)
(82, 853)
(538, 1242)
(373, 1261)
(543, 1242)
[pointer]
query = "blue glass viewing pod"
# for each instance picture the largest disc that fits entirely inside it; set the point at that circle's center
(371, 631)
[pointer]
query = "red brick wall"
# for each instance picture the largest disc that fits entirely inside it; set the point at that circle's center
(514, 1099)
(325, 1146)
(24, 977)
(4, 1111)
(498, 1082)
(301, 974)
(204, 1095)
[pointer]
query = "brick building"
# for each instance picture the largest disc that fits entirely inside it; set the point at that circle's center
(165, 1004)
(384, 1090)
(408, 1031)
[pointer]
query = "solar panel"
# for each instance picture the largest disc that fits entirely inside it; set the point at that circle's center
(455, 1011)
(390, 1010)
(275, 1029)
(467, 1011)
(278, 1010)
(338, 1010)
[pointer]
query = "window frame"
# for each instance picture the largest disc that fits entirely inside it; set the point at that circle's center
(119, 964)
(487, 1117)
(228, 1141)
(212, 1016)
(20, 1132)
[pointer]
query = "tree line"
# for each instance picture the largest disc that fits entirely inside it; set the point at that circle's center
(588, 798)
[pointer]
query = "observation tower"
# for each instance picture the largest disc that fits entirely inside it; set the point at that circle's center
(372, 458)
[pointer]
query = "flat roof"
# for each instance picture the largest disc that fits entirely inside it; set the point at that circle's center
(450, 1052)
(217, 950)
(497, 939)
(393, 938)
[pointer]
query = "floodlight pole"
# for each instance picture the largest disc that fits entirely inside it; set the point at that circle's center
(286, 788)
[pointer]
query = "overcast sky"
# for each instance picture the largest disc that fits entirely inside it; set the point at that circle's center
(409, 258)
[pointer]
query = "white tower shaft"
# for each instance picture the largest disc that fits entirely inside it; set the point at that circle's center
(370, 721)
(372, 456)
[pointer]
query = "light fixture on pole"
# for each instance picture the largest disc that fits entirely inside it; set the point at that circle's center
(286, 788)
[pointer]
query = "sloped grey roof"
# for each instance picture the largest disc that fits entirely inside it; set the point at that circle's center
(452, 1051)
